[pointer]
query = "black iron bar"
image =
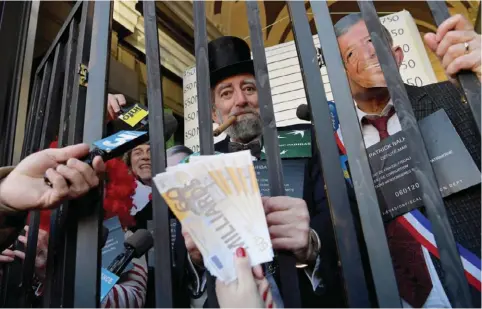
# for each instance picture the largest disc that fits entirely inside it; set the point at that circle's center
(49, 125)
(203, 81)
(54, 236)
(60, 34)
(23, 39)
(287, 262)
(12, 26)
(40, 110)
(467, 79)
(162, 240)
(372, 224)
(31, 115)
(206, 141)
(456, 284)
(89, 209)
(66, 219)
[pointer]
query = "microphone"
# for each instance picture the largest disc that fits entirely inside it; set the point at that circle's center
(136, 118)
(116, 145)
(303, 112)
(113, 146)
(135, 247)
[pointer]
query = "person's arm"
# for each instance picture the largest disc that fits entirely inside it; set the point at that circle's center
(11, 220)
(24, 187)
(324, 271)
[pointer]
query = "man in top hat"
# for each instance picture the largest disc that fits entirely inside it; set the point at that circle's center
(290, 220)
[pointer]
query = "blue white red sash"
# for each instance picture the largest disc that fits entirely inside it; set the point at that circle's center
(415, 222)
(421, 228)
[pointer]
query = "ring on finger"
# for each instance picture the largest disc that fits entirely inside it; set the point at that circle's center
(466, 45)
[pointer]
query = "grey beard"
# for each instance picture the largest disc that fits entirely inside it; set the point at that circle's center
(245, 130)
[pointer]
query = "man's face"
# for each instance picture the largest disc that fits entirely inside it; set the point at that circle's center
(141, 163)
(361, 62)
(237, 95)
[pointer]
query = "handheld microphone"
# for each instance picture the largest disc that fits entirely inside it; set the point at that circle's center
(303, 112)
(135, 247)
(136, 118)
(113, 146)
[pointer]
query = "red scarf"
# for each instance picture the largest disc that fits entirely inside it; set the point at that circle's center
(118, 191)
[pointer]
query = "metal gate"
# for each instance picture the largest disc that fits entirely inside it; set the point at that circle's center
(71, 81)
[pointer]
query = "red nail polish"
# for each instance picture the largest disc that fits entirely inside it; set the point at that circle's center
(265, 294)
(270, 305)
(240, 252)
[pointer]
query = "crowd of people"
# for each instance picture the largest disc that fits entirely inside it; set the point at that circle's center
(302, 226)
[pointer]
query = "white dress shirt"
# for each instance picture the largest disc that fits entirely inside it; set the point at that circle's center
(437, 297)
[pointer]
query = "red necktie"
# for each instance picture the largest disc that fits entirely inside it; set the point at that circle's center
(411, 271)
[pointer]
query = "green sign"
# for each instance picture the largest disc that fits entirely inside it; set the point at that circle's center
(293, 144)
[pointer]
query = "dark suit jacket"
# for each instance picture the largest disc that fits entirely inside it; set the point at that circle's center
(328, 293)
(179, 262)
(463, 208)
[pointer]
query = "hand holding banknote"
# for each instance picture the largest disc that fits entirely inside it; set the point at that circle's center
(217, 201)
(250, 290)
(289, 225)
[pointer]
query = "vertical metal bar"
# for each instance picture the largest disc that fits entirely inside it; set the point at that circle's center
(287, 262)
(468, 80)
(13, 28)
(206, 140)
(457, 287)
(24, 39)
(67, 217)
(25, 81)
(31, 115)
(50, 125)
(49, 88)
(162, 242)
(90, 218)
(53, 257)
(203, 81)
(372, 224)
(40, 110)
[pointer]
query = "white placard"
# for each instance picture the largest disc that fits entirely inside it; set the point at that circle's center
(191, 121)
(416, 69)
(286, 82)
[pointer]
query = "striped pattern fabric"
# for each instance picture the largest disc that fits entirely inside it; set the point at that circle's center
(130, 291)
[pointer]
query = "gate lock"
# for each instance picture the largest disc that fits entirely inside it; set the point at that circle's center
(84, 75)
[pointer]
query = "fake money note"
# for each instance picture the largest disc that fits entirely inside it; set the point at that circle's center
(221, 212)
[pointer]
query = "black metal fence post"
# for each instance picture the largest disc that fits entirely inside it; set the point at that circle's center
(14, 26)
(206, 141)
(287, 262)
(90, 213)
(369, 209)
(50, 125)
(469, 82)
(162, 238)
(457, 287)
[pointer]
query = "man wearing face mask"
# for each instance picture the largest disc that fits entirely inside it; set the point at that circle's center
(292, 222)
(458, 47)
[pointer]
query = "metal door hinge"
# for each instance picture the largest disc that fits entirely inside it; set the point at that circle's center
(84, 75)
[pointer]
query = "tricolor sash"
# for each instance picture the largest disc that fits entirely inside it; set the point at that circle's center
(414, 221)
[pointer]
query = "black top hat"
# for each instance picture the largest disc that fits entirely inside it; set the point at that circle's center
(228, 56)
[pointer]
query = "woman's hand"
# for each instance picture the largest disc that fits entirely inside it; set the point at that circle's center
(250, 290)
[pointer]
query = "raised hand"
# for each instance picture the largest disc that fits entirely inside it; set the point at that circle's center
(24, 188)
(457, 45)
